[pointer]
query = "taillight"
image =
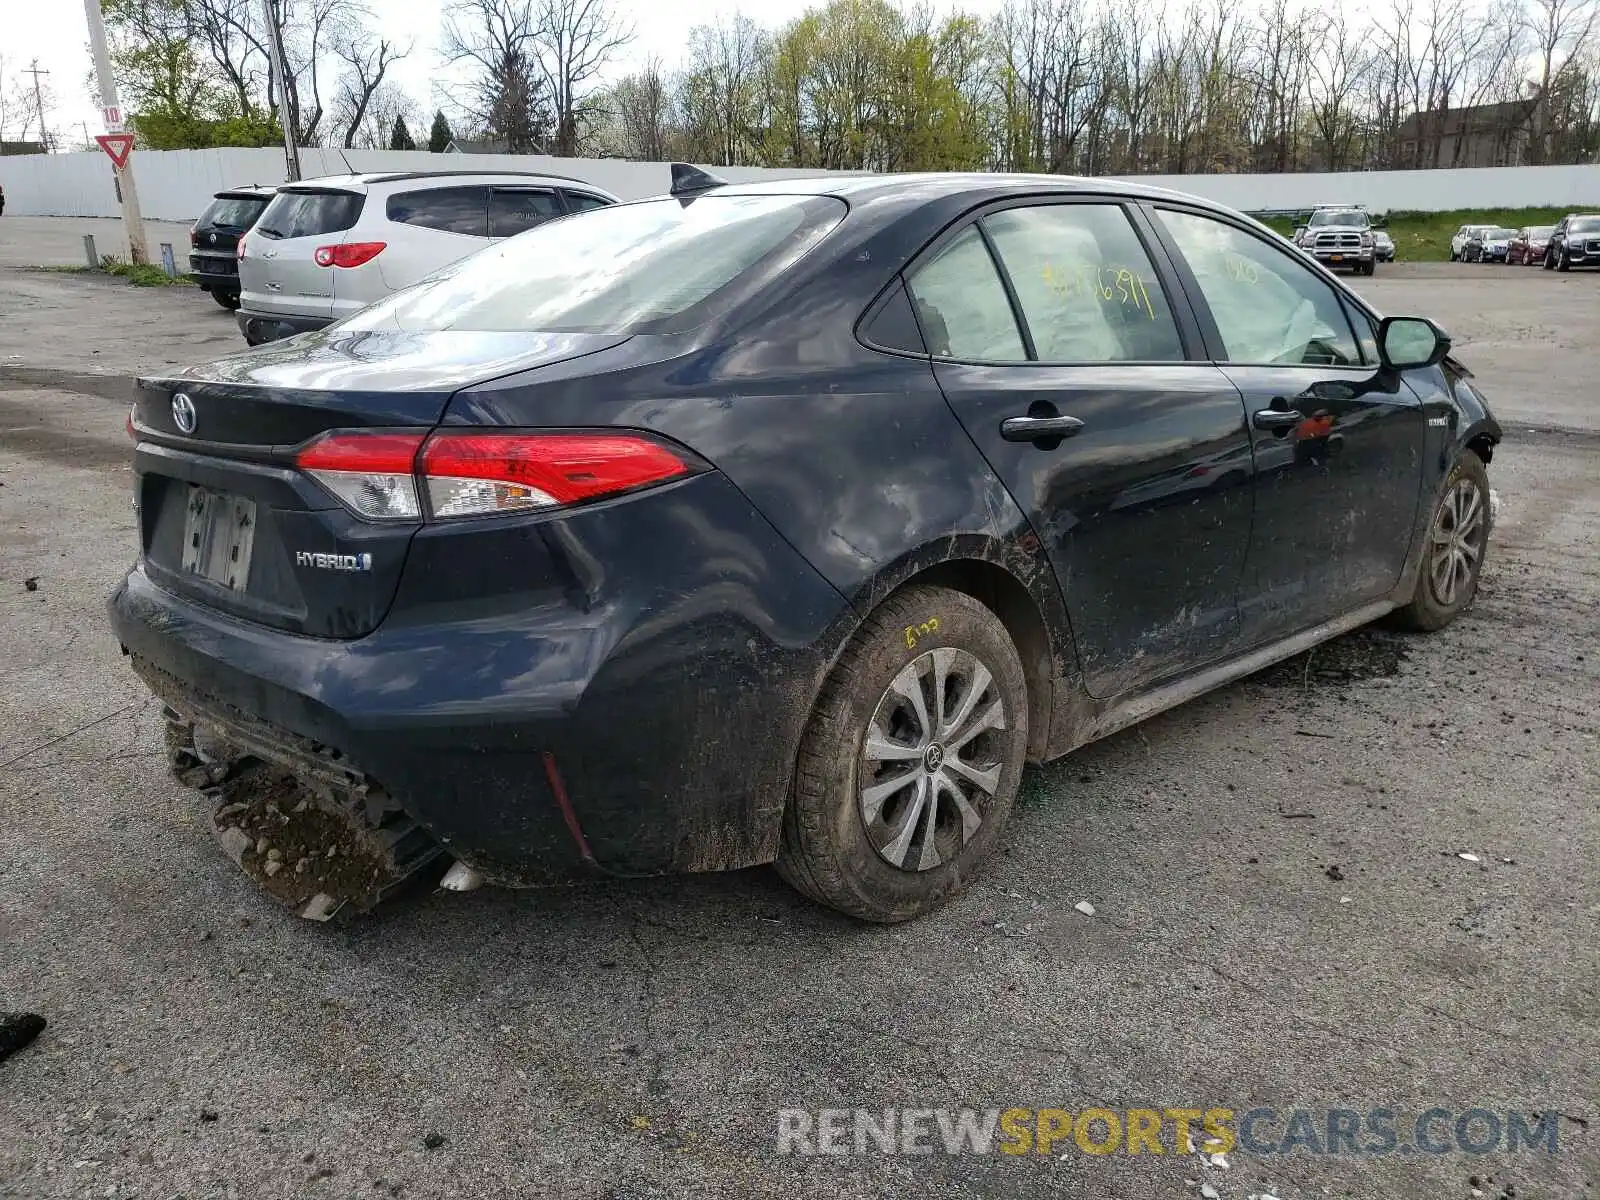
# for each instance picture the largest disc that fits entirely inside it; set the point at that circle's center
(381, 475)
(373, 474)
(470, 474)
(350, 254)
(241, 245)
(194, 237)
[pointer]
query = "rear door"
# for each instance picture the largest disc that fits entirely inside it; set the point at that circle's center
(432, 227)
(578, 202)
(514, 210)
(1337, 439)
(281, 272)
(1064, 355)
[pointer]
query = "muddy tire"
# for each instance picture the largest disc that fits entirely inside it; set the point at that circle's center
(911, 760)
(1452, 555)
(228, 300)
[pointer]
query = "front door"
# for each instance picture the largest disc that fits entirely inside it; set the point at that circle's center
(1062, 355)
(1338, 439)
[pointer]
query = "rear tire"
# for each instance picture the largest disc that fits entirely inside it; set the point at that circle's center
(1457, 540)
(228, 300)
(854, 840)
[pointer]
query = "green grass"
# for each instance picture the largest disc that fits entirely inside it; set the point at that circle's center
(142, 274)
(1425, 237)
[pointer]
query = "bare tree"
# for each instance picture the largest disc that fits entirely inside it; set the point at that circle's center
(725, 61)
(575, 41)
(497, 41)
(367, 61)
(641, 114)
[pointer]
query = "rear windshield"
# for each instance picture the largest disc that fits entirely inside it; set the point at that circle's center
(233, 212)
(310, 214)
(657, 266)
(1584, 224)
(1502, 235)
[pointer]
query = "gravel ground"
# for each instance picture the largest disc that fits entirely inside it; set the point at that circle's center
(637, 1039)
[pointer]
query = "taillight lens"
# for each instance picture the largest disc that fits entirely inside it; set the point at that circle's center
(241, 245)
(350, 254)
(372, 474)
(380, 475)
(471, 474)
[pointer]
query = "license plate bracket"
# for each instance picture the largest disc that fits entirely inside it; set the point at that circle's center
(219, 533)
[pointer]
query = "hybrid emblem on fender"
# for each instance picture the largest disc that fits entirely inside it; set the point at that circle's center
(183, 414)
(333, 562)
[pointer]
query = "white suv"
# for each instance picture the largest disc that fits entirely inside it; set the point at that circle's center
(325, 248)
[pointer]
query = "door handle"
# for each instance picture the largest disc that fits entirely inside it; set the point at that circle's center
(1037, 429)
(1279, 420)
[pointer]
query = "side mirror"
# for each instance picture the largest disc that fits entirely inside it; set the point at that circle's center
(1407, 342)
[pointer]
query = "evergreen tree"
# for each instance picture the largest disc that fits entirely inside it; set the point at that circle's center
(441, 136)
(401, 138)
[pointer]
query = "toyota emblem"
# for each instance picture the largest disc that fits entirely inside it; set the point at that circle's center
(213, 238)
(183, 415)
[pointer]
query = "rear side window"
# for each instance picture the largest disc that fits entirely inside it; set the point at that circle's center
(516, 212)
(310, 214)
(1086, 287)
(962, 306)
(233, 212)
(583, 202)
(451, 210)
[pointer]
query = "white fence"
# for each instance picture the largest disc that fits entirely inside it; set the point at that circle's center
(175, 185)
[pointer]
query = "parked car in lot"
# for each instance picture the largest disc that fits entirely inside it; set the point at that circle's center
(326, 248)
(1529, 245)
(1459, 240)
(1341, 238)
(1382, 246)
(214, 240)
(773, 522)
(1488, 244)
(1574, 242)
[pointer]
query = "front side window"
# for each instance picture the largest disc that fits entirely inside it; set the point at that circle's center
(962, 306)
(1087, 290)
(515, 212)
(450, 210)
(1269, 308)
(653, 267)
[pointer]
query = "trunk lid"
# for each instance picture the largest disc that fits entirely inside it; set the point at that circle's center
(226, 519)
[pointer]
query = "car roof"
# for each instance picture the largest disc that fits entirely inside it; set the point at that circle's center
(374, 178)
(938, 185)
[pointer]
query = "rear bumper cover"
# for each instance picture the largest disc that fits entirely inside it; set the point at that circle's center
(259, 327)
(641, 717)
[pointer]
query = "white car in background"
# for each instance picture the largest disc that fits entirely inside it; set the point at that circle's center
(1458, 243)
(325, 248)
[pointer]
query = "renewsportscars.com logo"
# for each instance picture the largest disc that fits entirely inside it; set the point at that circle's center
(1100, 1131)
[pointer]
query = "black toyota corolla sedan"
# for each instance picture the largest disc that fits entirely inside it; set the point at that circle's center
(777, 523)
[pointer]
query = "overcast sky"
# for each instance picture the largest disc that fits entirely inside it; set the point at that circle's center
(56, 33)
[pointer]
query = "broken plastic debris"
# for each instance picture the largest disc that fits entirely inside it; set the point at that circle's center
(1085, 908)
(1209, 1192)
(17, 1030)
(461, 878)
(1469, 857)
(1218, 1161)
(1345, 900)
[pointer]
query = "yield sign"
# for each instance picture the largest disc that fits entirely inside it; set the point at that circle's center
(118, 146)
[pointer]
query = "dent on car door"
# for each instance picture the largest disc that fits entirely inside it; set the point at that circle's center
(1338, 439)
(1056, 344)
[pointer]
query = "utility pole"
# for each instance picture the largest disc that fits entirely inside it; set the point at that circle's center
(276, 56)
(111, 107)
(38, 103)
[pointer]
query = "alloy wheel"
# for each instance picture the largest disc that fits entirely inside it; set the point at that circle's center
(929, 765)
(1458, 535)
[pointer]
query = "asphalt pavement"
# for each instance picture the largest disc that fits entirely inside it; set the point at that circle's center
(1282, 913)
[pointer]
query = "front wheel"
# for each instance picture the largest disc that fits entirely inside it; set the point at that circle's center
(1549, 261)
(911, 760)
(1564, 263)
(1458, 536)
